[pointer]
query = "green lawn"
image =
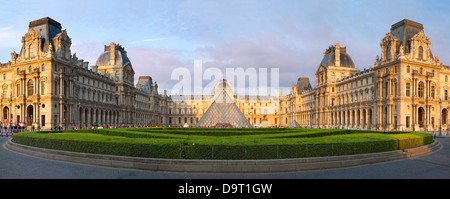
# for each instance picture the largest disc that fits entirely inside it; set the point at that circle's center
(197, 143)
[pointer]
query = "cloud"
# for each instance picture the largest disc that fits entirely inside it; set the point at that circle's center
(87, 50)
(148, 40)
(9, 37)
(266, 51)
(158, 63)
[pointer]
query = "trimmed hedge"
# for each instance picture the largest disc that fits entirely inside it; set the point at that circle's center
(154, 144)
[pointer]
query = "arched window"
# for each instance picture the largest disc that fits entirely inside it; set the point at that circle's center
(432, 91)
(66, 89)
(17, 89)
(5, 92)
(388, 53)
(43, 88)
(56, 88)
(6, 114)
(444, 116)
(30, 86)
(421, 86)
(408, 89)
(31, 50)
(386, 87)
(63, 51)
(117, 76)
(420, 52)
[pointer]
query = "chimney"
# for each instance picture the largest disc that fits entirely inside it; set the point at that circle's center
(94, 68)
(112, 52)
(337, 54)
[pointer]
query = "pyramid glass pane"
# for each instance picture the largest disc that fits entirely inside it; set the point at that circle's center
(223, 112)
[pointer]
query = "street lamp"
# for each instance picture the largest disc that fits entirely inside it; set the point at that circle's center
(447, 119)
(440, 123)
(310, 116)
(79, 115)
(251, 113)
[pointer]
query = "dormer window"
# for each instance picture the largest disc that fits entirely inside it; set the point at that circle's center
(420, 52)
(388, 53)
(117, 76)
(31, 51)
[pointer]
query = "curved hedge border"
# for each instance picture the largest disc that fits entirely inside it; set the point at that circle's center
(179, 150)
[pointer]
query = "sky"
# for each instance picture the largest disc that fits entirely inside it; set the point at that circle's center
(161, 36)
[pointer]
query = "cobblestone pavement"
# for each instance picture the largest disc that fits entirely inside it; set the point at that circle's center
(431, 166)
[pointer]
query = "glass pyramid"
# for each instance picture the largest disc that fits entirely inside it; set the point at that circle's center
(223, 112)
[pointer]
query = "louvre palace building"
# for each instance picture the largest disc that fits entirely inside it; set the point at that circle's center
(45, 86)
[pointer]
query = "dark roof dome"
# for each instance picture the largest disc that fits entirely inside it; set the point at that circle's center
(120, 56)
(329, 58)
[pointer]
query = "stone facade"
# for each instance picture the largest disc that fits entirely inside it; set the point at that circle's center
(406, 89)
(45, 86)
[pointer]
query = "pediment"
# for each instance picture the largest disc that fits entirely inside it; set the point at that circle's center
(128, 67)
(320, 69)
(420, 37)
(31, 35)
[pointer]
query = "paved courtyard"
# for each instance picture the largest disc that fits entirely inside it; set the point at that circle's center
(431, 166)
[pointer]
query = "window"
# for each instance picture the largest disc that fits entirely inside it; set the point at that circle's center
(446, 78)
(30, 86)
(408, 89)
(444, 116)
(420, 52)
(43, 88)
(421, 87)
(17, 90)
(408, 68)
(386, 89)
(56, 88)
(394, 90)
(446, 94)
(43, 68)
(31, 51)
(388, 54)
(63, 51)
(117, 76)
(421, 70)
(432, 92)
(29, 69)
(66, 89)
(407, 121)
(42, 120)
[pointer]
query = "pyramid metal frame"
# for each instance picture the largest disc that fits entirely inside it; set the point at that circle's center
(223, 111)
